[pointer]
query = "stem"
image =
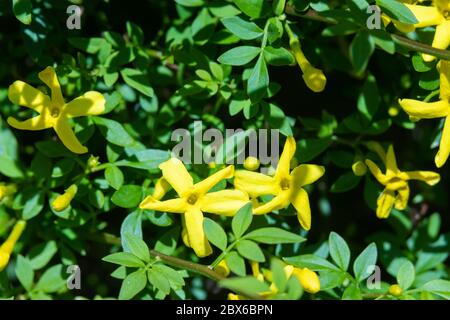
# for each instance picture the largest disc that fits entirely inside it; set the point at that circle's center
(431, 95)
(222, 255)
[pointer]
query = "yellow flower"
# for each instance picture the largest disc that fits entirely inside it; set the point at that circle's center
(251, 163)
(396, 192)
(222, 268)
(53, 111)
(7, 190)
(8, 246)
(308, 279)
(194, 199)
(286, 186)
(63, 201)
(395, 290)
(437, 15)
(429, 110)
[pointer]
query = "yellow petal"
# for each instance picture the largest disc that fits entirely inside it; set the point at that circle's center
(403, 27)
(425, 110)
(429, 177)
(25, 95)
(197, 237)
(251, 163)
(32, 124)
(184, 234)
(91, 103)
(222, 268)
(49, 77)
(444, 146)
(224, 202)
(300, 201)
(161, 188)
(177, 176)
(391, 161)
(308, 279)
(254, 183)
(278, 202)
(378, 149)
(4, 260)
(376, 172)
(283, 168)
(427, 16)
(13, 237)
(444, 71)
(306, 174)
(385, 203)
(172, 205)
(441, 39)
(401, 202)
(205, 185)
(68, 137)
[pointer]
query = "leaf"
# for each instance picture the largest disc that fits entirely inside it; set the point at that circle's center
(138, 80)
(369, 99)
(33, 206)
(242, 220)
(239, 56)
(236, 263)
(24, 272)
(131, 224)
(361, 50)
(124, 259)
(175, 278)
(241, 28)
(215, 233)
(41, 254)
(308, 149)
(271, 235)
(278, 56)
(312, 262)
(90, 45)
(252, 8)
(128, 196)
(114, 176)
(439, 287)
(114, 132)
(352, 292)
(398, 11)
(406, 275)
(339, 250)
(9, 167)
(345, 182)
(138, 247)
(133, 284)
(22, 10)
(249, 286)
(250, 250)
(51, 280)
(158, 280)
(364, 262)
(258, 81)
(191, 3)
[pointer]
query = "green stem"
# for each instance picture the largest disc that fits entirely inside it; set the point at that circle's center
(432, 95)
(222, 255)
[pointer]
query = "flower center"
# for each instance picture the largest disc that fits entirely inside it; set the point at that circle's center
(192, 199)
(54, 112)
(285, 184)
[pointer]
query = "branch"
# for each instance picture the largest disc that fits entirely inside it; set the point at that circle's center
(400, 40)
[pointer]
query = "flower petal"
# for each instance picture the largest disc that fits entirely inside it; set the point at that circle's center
(91, 103)
(33, 124)
(425, 110)
(224, 202)
(306, 174)
(377, 148)
(24, 95)
(49, 77)
(177, 176)
(391, 161)
(184, 234)
(254, 183)
(444, 71)
(441, 39)
(401, 202)
(444, 146)
(429, 177)
(205, 185)
(283, 167)
(68, 137)
(427, 16)
(196, 234)
(385, 203)
(161, 188)
(376, 172)
(173, 205)
(278, 202)
(300, 201)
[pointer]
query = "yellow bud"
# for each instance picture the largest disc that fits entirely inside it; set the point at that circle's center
(93, 162)
(222, 268)
(4, 259)
(251, 163)
(359, 168)
(393, 111)
(7, 190)
(212, 165)
(314, 79)
(395, 290)
(63, 201)
(308, 279)
(8, 246)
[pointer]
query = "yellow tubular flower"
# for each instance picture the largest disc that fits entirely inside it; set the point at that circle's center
(194, 199)
(308, 279)
(222, 268)
(53, 111)
(251, 163)
(63, 201)
(285, 185)
(430, 110)
(8, 246)
(395, 290)
(396, 192)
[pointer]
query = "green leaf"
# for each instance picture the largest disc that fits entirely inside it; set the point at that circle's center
(312, 262)
(279, 277)
(128, 196)
(215, 233)
(369, 99)
(33, 206)
(239, 56)
(252, 8)
(138, 247)
(308, 149)
(352, 292)
(175, 278)
(271, 235)
(124, 259)
(250, 250)
(406, 275)
(167, 243)
(258, 81)
(133, 284)
(158, 280)
(191, 3)
(278, 56)
(242, 220)
(41, 254)
(278, 6)
(241, 28)
(236, 263)
(135, 32)
(114, 176)
(114, 132)
(398, 11)
(89, 45)
(10, 168)
(138, 80)
(361, 50)
(24, 272)
(439, 287)
(249, 286)
(339, 250)
(345, 182)
(51, 280)
(22, 10)
(364, 262)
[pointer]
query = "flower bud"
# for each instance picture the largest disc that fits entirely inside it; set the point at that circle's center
(62, 202)
(222, 268)
(314, 79)
(212, 165)
(393, 111)
(8, 246)
(251, 163)
(308, 279)
(395, 290)
(7, 190)
(359, 168)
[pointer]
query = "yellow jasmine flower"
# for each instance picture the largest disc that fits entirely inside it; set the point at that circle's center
(222, 268)
(429, 110)
(395, 290)
(53, 111)
(63, 201)
(308, 279)
(194, 199)
(285, 185)
(251, 163)
(396, 192)
(8, 246)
